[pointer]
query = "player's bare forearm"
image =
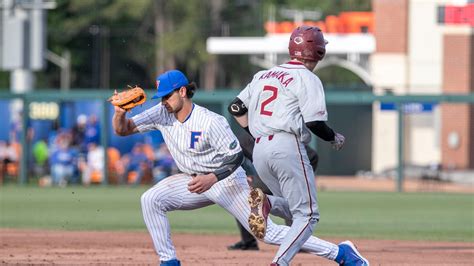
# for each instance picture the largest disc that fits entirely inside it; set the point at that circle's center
(242, 120)
(122, 126)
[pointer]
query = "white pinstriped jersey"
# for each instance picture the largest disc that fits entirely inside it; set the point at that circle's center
(283, 98)
(199, 144)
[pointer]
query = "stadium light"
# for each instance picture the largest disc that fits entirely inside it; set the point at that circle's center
(299, 15)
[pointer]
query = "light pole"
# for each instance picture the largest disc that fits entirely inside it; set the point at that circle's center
(299, 15)
(23, 38)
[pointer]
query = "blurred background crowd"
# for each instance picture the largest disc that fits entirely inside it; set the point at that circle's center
(74, 156)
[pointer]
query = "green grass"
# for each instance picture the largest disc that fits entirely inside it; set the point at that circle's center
(423, 216)
(416, 216)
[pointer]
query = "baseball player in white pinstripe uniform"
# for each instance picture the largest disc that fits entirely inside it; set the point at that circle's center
(281, 106)
(208, 154)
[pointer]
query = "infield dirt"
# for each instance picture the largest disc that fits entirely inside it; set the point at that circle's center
(42, 247)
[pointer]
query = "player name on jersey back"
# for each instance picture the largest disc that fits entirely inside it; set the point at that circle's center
(283, 76)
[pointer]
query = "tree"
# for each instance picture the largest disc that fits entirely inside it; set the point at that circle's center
(118, 42)
(100, 35)
(131, 40)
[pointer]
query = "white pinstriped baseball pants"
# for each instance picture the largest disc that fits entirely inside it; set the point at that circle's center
(231, 193)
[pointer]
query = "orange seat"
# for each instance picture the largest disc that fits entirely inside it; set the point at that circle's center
(96, 177)
(13, 168)
(113, 155)
(132, 177)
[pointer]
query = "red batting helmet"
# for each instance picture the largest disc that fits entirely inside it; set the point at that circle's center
(307, 43)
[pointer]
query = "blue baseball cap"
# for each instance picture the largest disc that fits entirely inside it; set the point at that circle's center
(169, 81)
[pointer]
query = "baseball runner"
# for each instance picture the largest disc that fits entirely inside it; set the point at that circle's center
(281, 107)
(247, 143)
(209, 156)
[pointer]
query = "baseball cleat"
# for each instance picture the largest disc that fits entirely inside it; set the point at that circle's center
(173, 262)
(350, 255)
(259, 210)
(242, 245)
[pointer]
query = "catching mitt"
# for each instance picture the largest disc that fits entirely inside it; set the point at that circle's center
(129, 98)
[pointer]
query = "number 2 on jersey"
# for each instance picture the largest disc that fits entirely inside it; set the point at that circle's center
(270, 99)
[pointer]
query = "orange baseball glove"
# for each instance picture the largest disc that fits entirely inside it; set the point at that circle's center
(129, 98)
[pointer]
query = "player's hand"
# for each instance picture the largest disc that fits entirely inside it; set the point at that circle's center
(201, 183)
(338, 141)
(118, 110)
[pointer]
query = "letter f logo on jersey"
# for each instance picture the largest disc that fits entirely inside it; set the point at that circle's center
(195, 136)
